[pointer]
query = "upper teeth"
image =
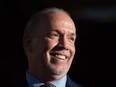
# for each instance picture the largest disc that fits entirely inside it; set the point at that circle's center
(60, 56)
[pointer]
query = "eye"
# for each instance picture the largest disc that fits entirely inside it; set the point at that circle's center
(53, 35)
(72, 39)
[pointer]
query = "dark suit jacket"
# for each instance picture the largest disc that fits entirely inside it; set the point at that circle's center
(69, 83)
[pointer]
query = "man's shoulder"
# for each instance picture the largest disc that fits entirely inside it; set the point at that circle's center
(71, 83)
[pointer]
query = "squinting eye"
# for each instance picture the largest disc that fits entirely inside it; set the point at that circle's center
(72, 39)
(54, 35)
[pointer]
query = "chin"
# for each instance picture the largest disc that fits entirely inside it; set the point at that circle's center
(58, 72)
(58, 75)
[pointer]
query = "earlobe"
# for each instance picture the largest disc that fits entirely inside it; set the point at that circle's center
(27, 43)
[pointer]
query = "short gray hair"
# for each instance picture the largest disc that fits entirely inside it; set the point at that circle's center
(37, 17)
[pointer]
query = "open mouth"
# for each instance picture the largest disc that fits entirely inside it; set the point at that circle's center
(59, 55)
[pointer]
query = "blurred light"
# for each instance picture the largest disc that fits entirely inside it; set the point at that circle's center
(98, 14)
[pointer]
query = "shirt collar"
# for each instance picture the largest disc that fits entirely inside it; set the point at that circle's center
(33, 82)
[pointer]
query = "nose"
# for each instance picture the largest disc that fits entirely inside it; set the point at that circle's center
(63, 43)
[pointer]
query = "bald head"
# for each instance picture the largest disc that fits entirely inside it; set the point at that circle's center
(39, 16)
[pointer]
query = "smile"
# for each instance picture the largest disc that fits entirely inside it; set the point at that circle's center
(59, 55)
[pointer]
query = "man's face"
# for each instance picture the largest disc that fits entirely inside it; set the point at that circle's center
(52, 46)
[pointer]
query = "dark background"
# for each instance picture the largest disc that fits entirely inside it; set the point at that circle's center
(94, 62)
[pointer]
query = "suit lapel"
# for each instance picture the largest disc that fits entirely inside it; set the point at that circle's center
(70, 83)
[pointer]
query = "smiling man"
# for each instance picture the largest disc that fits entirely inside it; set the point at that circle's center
(49, 44)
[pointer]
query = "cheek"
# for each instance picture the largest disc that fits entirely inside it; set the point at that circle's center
(50, 44)
(73, 51)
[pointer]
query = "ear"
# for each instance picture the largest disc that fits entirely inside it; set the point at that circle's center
(27, 41)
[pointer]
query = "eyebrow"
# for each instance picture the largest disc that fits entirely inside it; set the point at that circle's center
(72, 34)
(55, 30)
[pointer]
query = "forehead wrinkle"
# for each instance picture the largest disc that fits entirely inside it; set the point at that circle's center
(70, 26)
(71, 33)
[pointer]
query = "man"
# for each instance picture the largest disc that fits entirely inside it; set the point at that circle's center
(49, 44)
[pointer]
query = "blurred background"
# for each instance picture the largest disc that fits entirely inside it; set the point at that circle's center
(95, 59)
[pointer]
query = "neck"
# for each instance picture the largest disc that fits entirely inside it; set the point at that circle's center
(46, 78)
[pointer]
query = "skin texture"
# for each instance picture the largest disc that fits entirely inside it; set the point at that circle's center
(54, 37)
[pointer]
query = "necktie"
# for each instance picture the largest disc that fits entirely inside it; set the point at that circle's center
(48, 85)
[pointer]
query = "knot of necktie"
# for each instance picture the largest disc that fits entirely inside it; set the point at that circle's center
(48, 85)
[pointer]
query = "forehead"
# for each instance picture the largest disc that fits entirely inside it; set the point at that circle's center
(61, 19)
(57, 21)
